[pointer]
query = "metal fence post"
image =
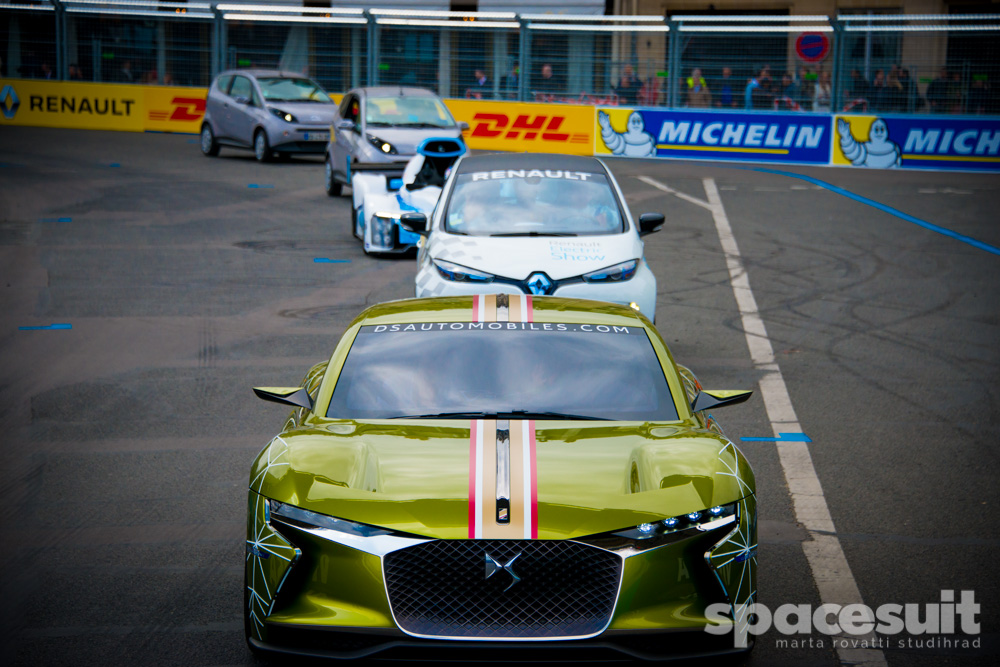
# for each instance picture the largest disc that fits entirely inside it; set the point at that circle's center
(839, 48)
(524, 57)
(219, 47)
(373, 49)
(62, 44)
(673, 62)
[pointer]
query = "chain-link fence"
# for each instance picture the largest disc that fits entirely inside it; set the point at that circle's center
(766, 60)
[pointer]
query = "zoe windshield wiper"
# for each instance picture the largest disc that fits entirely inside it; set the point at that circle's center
(534, 233)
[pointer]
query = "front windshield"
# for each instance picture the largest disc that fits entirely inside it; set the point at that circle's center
(407, 111)
(293, 90)
(532, 202)
(501, 369)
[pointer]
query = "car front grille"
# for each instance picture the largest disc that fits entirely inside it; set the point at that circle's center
(551, 589)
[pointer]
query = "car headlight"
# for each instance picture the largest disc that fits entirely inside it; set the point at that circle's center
(306, 519)
(383, 229)
(283, 115)
(461, 274)
(383, 146)
(613, 274)
(701, 520)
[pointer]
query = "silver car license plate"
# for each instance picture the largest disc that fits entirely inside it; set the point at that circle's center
(317, 136)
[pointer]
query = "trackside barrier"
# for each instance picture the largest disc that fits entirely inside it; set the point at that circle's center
(858, 141)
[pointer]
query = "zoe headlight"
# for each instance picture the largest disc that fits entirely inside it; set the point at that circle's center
(461, 274)
(383, 146)
(283, 115)
(613, 274)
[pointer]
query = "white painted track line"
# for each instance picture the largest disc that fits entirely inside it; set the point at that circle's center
(827, 562)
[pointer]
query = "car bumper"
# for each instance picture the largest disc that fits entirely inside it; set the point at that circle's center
(386, 235)
(641, 289)
(300, 139)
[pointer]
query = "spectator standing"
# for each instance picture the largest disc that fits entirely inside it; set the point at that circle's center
(937, 93)
(789, 88)
(725, 88)
(628, 86)
(512, 81)
(822, 95)
(748, 92)
(909, 92)
(895, 96)
(548, 82)
(699, 96)
(877, 99)
(75, 74)
(979, 95)
(860, 89)
(649, 94)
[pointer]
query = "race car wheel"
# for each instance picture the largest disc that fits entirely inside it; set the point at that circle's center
(358, 223)
(261, 146)
(332, 186)
(209, 146)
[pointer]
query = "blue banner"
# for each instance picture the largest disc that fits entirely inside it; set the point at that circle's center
(776, 138)
(917, 142)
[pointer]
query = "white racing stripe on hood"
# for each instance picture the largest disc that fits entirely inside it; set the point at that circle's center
(559, 257)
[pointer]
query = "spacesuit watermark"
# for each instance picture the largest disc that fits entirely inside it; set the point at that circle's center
(930, 625)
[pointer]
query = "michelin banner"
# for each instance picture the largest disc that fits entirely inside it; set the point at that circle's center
(777, 138)
(917, 142)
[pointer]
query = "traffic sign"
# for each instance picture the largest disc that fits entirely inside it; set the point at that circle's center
(812, 46)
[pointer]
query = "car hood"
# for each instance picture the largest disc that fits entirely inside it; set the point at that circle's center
(414, 475)
(406, 139)
(309, 113)
(518, 257)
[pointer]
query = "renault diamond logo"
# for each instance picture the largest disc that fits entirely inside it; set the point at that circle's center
(9, 102)
(539, 283)
(492, 565)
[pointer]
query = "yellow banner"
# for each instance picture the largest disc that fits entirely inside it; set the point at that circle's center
(87, 106)
(169, 109)
(532, 128)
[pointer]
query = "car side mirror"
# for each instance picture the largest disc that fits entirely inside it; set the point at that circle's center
(714, 398)
(463, 126)
(241, 99)
(346, 124)
(414, 222)
(295, 396)
(650, 222)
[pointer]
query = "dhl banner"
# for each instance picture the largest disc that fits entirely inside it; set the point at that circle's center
(532, 128)
(98, 106)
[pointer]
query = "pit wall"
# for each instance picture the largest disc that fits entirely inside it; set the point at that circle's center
(778, 138)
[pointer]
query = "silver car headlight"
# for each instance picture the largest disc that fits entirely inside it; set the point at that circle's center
(283, 115)
(307, 519)
(383, 146)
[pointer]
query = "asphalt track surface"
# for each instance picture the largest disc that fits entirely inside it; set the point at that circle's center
(127, 439)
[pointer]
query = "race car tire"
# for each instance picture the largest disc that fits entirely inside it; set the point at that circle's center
(261, 146)
(209, 146)
(333, 188)
(358, 223)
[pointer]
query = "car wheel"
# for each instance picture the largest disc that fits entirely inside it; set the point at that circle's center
(209, 146)
(261, 147)
(332, 186)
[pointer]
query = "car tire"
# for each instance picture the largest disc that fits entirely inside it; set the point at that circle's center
(209, 146)
(261, 146)
(358, 223)
(333, 188)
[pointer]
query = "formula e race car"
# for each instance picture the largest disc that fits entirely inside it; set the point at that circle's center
(523, 476)
(380, 199)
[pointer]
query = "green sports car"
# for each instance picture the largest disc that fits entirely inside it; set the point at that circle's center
(500, 473)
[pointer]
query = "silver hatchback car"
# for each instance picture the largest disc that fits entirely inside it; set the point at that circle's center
(378, 129)
(269, 111)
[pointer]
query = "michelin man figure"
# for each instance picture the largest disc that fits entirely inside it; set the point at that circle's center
(633, 142)
(878, 152)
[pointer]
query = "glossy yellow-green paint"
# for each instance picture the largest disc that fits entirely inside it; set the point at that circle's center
(593, 477)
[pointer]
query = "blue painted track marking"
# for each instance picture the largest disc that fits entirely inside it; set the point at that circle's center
(783, 437)
(114, 164)
(326, 260)
(258, 186)
(51, 327)
(55, 220)
(882, 207)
